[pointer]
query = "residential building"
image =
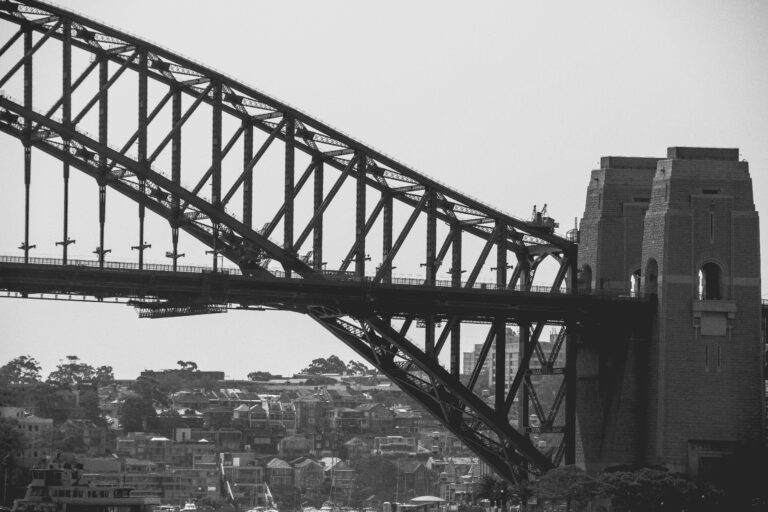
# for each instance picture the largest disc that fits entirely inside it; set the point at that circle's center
(394, 445)
(38, 434)
(279, 475)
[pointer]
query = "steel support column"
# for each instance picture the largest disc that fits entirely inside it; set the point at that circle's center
(216, 166)
(175, 174)
(456, 283)
(500, 370)
(360, 217)
(431, 268)
(142, 130)
(431, 237)
(27, 134)
(317, 231)
(501, 255)
(66, 117)
(248, 180)
(386, 242)
(570, 363)
(103, 141)
(290, 135)
(522, 392)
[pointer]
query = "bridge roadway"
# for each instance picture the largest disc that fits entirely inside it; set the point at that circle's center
(200, 285)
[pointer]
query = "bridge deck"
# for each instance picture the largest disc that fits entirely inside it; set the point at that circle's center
(481, 302)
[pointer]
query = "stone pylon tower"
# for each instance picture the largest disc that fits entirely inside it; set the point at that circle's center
(701, 256)
(684, 230)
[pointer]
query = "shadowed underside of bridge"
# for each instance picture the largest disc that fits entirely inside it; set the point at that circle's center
(280, 264)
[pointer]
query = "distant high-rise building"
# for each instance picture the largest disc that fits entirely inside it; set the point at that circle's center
(487, 375)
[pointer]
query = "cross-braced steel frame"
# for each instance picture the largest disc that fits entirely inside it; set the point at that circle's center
(130, 167)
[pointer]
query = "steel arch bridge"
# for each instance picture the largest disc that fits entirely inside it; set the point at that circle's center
(277, 259)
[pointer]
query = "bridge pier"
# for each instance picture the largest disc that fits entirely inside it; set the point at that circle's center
(689, 390)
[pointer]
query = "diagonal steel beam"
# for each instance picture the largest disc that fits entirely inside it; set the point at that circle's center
(204, 179)
(28, 54)
(281, 211)
(224, 152)
(524, 364)
(155, 111)
(9, 43)
(249, 167)
(400, 239)
(80, 79)
(103, 88)
(368, 225)
(481, 259)
(177, 126)
(324, 205)
(482, 357)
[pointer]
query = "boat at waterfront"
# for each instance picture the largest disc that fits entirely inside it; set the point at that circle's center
(63, 488)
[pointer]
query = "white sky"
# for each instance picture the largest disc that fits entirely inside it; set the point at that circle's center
(511, 102)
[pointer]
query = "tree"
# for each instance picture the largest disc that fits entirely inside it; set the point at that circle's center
(567, 483)
(321, 365)
(263, 376)
(494, 489)
(138, 415)
(11, 441)
(71, 372)
(149, 389)
(357, 368)
(20, 370)
(652, 489)
(104, 376)
(187, 366)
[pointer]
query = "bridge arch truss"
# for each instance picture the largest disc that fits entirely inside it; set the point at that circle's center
(377, 315)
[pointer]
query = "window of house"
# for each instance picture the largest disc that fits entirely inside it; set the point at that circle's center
(709, 282)
(634, 284)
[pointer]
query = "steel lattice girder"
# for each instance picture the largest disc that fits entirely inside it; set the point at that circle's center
(209, 222)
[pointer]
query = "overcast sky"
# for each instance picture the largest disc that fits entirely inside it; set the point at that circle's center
(511, 102)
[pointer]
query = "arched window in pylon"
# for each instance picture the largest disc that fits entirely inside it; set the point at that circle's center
(651, 278)
(585, 279)
(709, 286)
(635, 284)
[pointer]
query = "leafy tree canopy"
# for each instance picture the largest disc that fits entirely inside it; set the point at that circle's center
(11, 440)
(358, 368)
(71, 371)
(20, 370)
(104, 375)
(187, 366)
(653, 489)
(322, 365)
(567, 483)
(334, 364)
(138, 415)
